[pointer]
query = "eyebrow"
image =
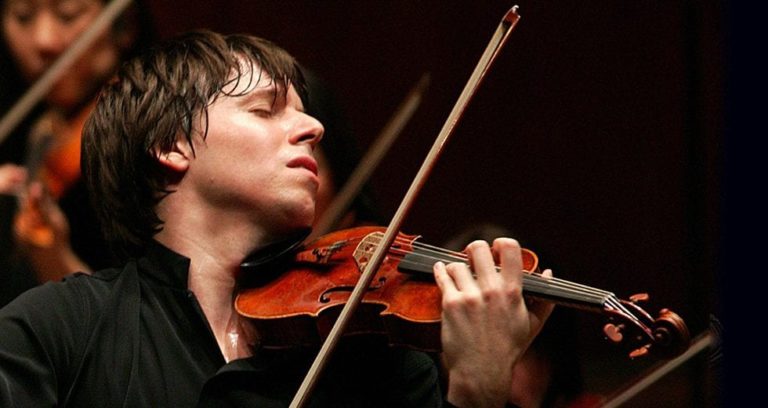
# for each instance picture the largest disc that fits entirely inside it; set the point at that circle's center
(274, 90)
(259, 92)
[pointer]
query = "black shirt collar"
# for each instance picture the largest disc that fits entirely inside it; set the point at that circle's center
(165, 266)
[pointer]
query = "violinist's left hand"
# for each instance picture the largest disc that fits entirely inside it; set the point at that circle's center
(12, 178)
(42, 231)
(486, 324)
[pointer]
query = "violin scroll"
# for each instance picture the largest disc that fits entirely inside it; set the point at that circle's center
(670, 334)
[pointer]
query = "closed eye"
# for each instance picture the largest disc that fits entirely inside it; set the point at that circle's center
(262, 113)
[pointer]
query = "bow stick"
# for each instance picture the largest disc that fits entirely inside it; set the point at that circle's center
(371, 160)
(489, 55)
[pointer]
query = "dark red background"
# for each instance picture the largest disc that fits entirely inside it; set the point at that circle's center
(597, 137)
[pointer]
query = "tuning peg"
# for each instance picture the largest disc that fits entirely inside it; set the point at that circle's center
(613, 332)
(640, 352)
(639, 297)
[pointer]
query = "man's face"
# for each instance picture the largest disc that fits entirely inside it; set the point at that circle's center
(258, 156)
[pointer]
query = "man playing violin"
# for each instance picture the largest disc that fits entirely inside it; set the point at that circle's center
(198, 155)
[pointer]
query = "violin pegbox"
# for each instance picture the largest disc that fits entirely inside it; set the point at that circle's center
(665, 336)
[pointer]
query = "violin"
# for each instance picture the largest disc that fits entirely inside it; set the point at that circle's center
(59, 161)
(299, 308)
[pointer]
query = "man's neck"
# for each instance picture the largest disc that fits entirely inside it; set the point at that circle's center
(215, 255)
(214, 285)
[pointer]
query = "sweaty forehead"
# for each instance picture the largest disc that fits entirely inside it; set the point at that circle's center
(249, 82)
(248, 76)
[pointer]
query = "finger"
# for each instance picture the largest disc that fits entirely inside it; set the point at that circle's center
(511, 261)
(481, 259)
(462, 276)
(444, 282)
(12, 178)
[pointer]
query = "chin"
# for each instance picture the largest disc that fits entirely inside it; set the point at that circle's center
(63, 100)
(308, 212)
(302, 218)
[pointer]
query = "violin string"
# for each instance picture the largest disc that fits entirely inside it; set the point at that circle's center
(531, 280)
(560, 283)
(541, 285)
(535, 281)
(619, 307)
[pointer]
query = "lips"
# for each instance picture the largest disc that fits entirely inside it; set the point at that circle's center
(304, 162)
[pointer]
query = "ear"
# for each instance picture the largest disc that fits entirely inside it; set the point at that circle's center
(178, 158)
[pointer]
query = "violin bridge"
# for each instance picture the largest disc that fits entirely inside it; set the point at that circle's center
(366, 248)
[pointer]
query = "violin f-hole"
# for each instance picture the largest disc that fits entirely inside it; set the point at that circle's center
(325, 296)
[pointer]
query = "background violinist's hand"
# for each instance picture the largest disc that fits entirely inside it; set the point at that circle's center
(12, 178)
(42, 231)
(486, 325)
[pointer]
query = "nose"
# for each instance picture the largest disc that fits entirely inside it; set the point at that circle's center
(46, 36)
(307, 130)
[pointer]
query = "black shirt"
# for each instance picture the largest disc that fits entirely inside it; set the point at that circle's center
(136, 337)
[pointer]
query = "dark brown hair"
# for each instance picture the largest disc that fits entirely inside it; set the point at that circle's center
(155, 99)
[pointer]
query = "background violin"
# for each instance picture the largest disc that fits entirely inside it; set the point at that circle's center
(54, 161)
(299, 307)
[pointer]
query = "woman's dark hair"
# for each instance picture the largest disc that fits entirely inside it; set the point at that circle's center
(155, 99)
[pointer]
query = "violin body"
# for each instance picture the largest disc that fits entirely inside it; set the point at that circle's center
(300, 308)
(403, 303)
(61, 165)
(54, 160)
